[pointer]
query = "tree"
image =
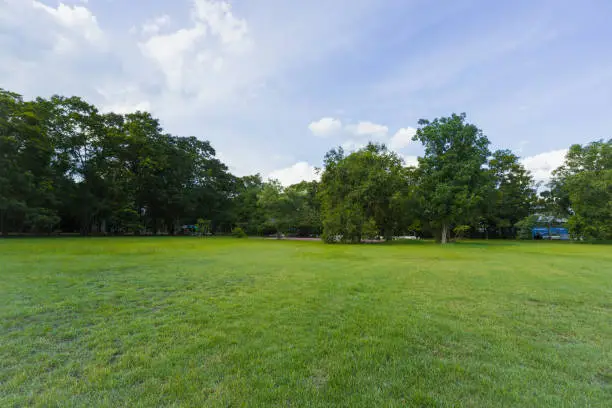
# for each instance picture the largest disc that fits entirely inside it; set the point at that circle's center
(104, 172)
(275, 206)
(460, 231)
(453, 182)
(359, 189)
(245, 211)
(42, 220)
(304, 217)
(513, 193)
(585, 181)
(66, 165)
(526, 225)
(406, 203)
(26, 183)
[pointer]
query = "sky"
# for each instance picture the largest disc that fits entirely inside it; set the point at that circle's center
(275, 84)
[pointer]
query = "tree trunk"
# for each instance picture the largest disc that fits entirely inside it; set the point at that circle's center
(444, 234)
(3, 224)
(171, 229)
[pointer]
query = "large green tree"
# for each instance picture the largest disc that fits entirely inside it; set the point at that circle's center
(305, 208)
(453, 181)
(26, 182)
(358, 192)
(63, 160)
(512, 196)
(584, 183)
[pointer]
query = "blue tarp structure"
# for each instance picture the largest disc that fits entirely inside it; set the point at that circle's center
(555, 233)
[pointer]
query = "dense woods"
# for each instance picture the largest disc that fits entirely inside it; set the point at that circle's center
(67, 167)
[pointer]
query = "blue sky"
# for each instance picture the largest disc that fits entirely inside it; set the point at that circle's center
(274, 84)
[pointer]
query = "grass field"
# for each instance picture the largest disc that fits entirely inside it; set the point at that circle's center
(222, 322)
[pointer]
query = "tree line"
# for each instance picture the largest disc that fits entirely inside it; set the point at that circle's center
(65, 166)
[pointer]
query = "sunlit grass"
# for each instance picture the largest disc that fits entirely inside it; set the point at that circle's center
(223, 322)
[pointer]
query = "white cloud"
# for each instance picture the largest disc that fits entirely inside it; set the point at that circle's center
(325, 127)
(119, 108)
(362, 132)
(542, 165)
(301, 171)
(402, 138)
(50, 50)
(358, 133)
(77, 19)
(368, 129)
(411, 161)
(170, 51)
(123, 99)
(155, 25)
(218, 16)
(223, 74)
(352, 145)
(206, 59)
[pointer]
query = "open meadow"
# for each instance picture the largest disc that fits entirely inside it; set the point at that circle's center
(191, 322)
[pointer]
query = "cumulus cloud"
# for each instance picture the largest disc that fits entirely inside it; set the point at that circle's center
(155, 25)
(368, 129)
(193, 59)
(76, 19)
(325, 127)
(351, 145)
(301, 171)
(221, 22)
(53, 49)
(358, 134)
(542, 165)
(411, 161)
(402, 138)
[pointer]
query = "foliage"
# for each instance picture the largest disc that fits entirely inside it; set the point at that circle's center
(370, 229)
(294, 209)
(452, 181)
(42, 220)
(103, 172)
(239, 233)
(585, 183)
(525, 227)
(461, 231)
(359, 193)
(513, 193)
(67, 165)
(204, 226)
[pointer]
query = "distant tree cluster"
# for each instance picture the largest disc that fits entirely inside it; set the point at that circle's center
(581, 189)
(67, 167)
(459, 186)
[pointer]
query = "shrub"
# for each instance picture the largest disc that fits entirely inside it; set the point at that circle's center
(525, 226)
(461, 231)
(370, 230)
(238, 233)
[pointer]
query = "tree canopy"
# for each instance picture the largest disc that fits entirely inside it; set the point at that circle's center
(582, 189)
(65, 166)
(453, 182)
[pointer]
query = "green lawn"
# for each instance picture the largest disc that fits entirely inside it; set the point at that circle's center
(223, 322)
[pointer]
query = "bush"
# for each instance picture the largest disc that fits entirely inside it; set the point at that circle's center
(525, 226)
(461, 231)
(238, 233)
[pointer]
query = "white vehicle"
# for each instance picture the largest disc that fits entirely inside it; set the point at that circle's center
(411, 237)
